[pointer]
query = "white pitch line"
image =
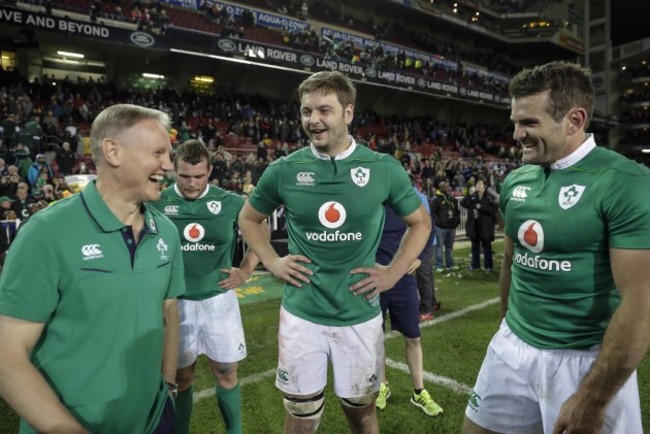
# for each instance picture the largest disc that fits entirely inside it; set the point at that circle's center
(449, 316)
(432, 378)
(455, 386)
(251, 379)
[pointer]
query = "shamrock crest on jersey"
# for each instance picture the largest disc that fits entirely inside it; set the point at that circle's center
(214, 206)
(360, 176)
(570, 195)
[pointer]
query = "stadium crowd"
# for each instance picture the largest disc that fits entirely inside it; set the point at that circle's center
(43, 125)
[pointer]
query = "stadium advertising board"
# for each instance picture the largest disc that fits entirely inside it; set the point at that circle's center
(272, 54)
(74, 28)
(390, 49)
(187, 4)
(266, 19)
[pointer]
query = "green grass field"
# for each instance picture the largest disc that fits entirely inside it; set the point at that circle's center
(453, 345)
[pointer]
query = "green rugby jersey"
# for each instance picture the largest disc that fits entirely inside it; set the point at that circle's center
(75, 267)
(335, 218)
(563, 220)
(208, 229)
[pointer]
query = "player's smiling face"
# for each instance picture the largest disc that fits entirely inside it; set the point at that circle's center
(543, 140)
(326, 121)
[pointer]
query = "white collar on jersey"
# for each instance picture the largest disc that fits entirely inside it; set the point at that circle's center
(576, 155)
(178, 192)
(343, 155)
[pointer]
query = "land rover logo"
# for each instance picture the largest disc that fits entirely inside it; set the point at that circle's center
(227, 45)
(371, 73)
(142, 39)
(307, 60)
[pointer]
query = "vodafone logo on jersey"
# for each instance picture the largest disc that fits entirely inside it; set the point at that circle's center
(193, 232)
(531, 235)
(332, 215)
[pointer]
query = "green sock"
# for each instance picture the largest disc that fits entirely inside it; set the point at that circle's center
(229, 402)
(183, 411)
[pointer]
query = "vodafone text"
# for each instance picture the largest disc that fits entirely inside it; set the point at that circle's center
(542, 264)
(333, 236)
(198, 248)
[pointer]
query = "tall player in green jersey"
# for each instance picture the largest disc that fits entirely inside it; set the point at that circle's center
(333, 192)
(575, 280)
(210, 323)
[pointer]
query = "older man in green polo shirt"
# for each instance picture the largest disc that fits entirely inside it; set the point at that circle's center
(86, 332)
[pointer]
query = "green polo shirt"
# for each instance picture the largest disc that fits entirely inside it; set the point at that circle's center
(76, 268)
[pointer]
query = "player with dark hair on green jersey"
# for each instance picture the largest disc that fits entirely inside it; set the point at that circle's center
(210, 322)
(575, 279)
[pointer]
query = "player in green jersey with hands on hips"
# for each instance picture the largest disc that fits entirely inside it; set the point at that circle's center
(333, 191)
(575, 280)
(210, 322)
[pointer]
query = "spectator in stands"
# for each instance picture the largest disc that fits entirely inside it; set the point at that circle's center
(248, 186)
(66, 159)
(401, 302)
(22, 201)
(315, 294)
(5, 204)
(36, 169)
(124, 340)
(50, 123)
(9, 128)
(444, 209)
(209, 311)
(48, 193)
(219, 167)
(424, 277)
(482, 208)
(34, 133)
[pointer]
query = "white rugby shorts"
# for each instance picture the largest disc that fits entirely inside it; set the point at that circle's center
(212, 327)
(356, 352)
(520, 389)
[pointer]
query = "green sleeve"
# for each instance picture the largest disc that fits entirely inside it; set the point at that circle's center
(627, 211)
(401, 195)
(266, 195)
(30, 277)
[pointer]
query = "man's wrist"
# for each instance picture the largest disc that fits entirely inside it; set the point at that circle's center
(172, 388)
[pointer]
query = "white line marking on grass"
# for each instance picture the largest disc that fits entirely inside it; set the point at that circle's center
(449, 316)
(454, 386)
(251, 379)
(433, 378)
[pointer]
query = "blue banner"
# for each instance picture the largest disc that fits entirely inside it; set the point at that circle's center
(187, 4)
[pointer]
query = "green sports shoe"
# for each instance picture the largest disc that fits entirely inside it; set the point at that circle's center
(426, 403)
(384, 394)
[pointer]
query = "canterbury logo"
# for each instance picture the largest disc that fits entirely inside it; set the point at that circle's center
(171, 209)
(305, 178)
(520, 192)
(91, 251)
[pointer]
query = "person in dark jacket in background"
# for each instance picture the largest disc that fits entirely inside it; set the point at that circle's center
(481, 217)
(444, 210)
